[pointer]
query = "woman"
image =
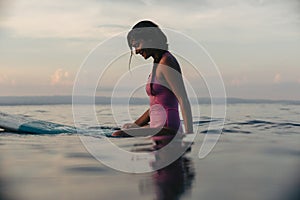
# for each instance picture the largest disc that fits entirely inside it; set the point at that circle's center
(165, 86)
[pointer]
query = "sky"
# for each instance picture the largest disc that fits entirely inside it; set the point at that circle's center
(254, 43)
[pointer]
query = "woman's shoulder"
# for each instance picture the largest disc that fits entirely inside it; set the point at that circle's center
(168, 58)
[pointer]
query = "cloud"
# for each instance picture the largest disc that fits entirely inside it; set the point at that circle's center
(94, 19)
(238, 81)
(49, 19)
(235, 82)
(113, 26)
(6, 80)
(277, 78)
(60, 77)
(3, 78)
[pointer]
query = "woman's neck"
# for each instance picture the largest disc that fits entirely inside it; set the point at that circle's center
(158, 54)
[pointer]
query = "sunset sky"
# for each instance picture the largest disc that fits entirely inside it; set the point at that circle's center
(255, 43)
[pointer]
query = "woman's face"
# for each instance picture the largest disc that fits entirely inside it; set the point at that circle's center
(140, 48)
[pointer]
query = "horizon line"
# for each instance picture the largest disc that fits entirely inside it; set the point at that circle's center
(67, 99)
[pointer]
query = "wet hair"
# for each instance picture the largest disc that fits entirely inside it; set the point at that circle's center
(148, 31)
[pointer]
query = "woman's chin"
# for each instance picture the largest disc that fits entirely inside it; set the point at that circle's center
(146, 56)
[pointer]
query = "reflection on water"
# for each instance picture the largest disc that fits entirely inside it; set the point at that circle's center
(172, 181)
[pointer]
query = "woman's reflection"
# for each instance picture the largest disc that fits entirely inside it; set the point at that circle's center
(172, 181)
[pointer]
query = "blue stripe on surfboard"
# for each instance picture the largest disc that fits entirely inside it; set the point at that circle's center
(44, 127)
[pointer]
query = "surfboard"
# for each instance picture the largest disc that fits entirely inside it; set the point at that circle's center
(27, 125)
(22, 124)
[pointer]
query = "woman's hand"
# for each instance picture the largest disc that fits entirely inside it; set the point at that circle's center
(130, 125)
(120, 133)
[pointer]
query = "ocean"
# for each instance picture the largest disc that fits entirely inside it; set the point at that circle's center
(256, 157)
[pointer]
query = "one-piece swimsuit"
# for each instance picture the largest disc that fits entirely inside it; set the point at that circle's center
(163, 105)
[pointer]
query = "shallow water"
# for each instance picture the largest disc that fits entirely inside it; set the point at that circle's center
(257, 157)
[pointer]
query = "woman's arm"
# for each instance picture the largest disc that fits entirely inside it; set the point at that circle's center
(186, 114)
(175, 82)
(143, 120)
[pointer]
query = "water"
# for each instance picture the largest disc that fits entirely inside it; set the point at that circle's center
(257, 157)
(240, 118)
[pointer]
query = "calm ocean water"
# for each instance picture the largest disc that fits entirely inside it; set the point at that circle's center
(240, 118)
(257, 157)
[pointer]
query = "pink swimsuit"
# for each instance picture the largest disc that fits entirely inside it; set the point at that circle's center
(163, 106)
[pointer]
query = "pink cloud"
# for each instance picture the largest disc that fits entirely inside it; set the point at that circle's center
(6, 80)
(238, 81)
(277, 78)
(60, 77)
